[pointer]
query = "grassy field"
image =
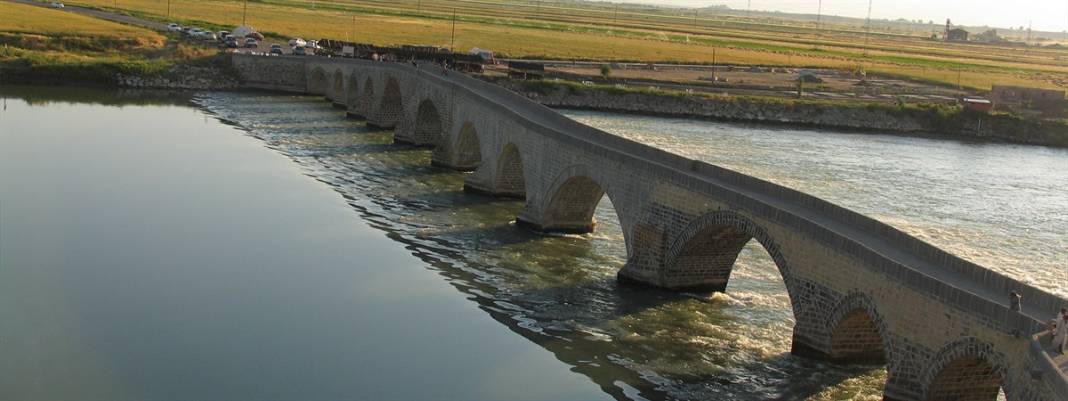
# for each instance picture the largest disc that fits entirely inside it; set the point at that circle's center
(51, 46)
(599, 32)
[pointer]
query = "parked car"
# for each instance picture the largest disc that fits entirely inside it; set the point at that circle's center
(173, 27)
(312, 44)
(231, 43)
(255, 35)
(223, 35)
(276, 49)
(56, 4)
(299, 51)
(297, 42)
(250, 42)
(208, 36)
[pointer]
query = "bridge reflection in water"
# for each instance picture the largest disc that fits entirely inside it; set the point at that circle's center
(860, 290)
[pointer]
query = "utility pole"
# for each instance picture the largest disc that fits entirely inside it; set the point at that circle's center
(713, 66)
(867, 30)
(354, 27)
(959, 88)
(1029, 33)
(695, 17)
(453, 42)
(749, 8)
(615, 17)
(168, 9)
(819, 14)
(244, 14)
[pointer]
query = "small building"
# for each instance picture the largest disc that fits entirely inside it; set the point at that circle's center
(1035, 98)
(525, 70)
(989, 36)
(957, 35)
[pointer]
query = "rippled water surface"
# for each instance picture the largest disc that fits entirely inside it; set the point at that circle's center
(999, 205)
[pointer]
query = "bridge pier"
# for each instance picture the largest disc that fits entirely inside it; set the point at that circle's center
(352, 113)
(563, 228)
(480, 188)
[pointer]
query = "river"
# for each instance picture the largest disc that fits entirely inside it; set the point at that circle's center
(235, 250)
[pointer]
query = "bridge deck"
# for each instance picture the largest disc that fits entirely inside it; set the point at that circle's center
(873, 242)
(1032, 316)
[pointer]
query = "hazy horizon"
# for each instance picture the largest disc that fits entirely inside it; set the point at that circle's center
(1044, 15)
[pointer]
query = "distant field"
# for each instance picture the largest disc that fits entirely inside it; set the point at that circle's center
(599, 32)
(21, 18)
(51, 46)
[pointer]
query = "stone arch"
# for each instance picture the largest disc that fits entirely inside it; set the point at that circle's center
(428, 124)
(573, 198)
(364, 105)
(391, 108)
(510, 181)
(965, 370)
(858, 333)
(338, 88)
(702, 256)
(468, 148)
(352, 91)
(317, 81)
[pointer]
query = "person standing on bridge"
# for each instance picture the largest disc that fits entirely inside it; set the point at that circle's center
(1062, 331)
(1014, 306)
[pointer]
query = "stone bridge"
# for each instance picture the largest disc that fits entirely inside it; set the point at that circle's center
(861, 291)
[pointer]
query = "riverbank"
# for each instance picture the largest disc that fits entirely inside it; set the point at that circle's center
(936, 120)
(46, 46)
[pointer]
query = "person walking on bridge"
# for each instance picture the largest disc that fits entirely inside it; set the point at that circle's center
(1062, 331)
(1015, 306)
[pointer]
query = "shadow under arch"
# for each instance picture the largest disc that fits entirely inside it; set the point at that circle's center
(391, 108)
(573, 199)
(702, 256)
(509, 181)
(352, 91)
(468, 149)
(857, 331)
(339, 85)
(428, 124)
(364, 105)
(966, 369)
(317, 81)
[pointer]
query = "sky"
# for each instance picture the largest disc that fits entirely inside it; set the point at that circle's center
(1044, 15)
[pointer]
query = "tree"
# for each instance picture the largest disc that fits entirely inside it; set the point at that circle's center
(605, 71)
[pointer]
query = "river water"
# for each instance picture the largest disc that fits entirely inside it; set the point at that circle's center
(235, 249)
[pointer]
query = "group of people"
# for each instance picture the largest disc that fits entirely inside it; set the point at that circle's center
(1058, 326)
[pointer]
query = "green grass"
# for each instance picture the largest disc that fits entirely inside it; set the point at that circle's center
(39, 45)
(593, 32)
